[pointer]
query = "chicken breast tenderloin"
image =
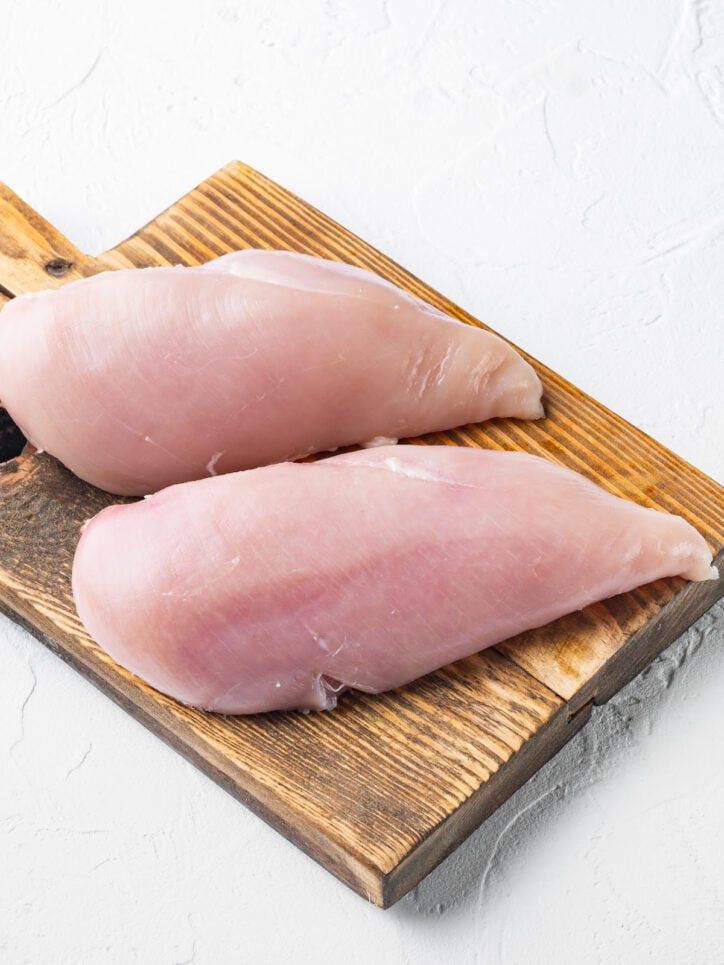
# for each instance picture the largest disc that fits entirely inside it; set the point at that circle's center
(280, 587)
(140, 379)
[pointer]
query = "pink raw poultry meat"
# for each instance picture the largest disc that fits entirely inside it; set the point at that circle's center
(279, 587)
(139, 379)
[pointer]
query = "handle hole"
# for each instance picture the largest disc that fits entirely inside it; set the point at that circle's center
(12, 441)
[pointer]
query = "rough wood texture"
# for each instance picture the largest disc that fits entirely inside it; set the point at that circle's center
(380, 790)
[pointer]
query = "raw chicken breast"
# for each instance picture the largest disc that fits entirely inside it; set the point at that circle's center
(138, 379)
(282, 586)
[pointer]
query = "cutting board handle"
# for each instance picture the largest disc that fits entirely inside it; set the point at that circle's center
(33, 254)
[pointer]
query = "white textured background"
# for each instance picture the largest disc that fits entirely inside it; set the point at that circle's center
(557, 168)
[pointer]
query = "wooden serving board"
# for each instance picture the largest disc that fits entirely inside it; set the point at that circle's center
(383, 788)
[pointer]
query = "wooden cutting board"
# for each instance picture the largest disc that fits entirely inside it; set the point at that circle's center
(383, 788)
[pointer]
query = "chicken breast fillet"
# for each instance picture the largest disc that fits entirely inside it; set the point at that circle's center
(139, 379)
(280, 587)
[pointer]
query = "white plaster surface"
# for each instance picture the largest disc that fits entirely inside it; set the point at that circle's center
(556, 167)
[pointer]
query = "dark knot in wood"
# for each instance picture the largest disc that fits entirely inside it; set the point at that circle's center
(58, 267)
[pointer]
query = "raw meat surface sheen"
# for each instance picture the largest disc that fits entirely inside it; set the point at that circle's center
(279, 587)
(139, 379)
